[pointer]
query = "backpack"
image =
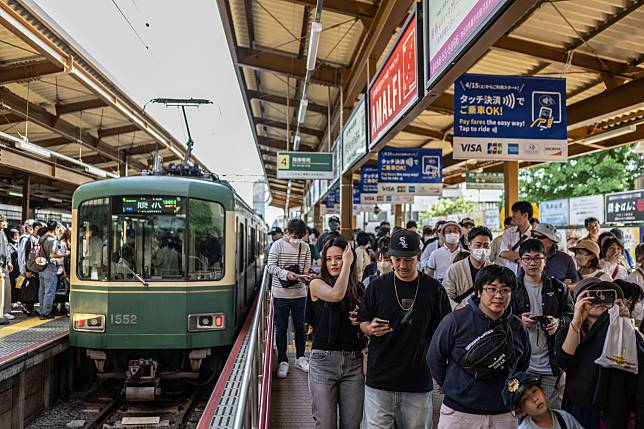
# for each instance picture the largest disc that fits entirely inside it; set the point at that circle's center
(37, 260)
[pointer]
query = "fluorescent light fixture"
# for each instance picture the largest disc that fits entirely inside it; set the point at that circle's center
(9, 137)
(617, 132)
(54, 200)
(301, 116)
(96, 171)
(296, 142)
(15, 194)
(33, 148)
(314, 42)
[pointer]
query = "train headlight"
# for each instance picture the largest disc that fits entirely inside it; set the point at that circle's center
(89, 322)
(206, 322)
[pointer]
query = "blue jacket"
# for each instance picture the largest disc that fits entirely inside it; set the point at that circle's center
(458, 329)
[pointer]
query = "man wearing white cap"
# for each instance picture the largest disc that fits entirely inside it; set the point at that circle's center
(559, 265)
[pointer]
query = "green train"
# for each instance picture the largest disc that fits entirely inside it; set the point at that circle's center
(164, 269)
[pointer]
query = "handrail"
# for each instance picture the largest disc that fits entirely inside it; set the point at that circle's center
(252, 357)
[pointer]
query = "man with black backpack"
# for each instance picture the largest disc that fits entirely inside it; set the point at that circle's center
(475, 349)
(545, 307)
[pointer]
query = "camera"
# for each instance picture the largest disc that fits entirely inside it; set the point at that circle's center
(543, 321)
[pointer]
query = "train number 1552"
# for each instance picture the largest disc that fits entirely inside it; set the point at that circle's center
(123, 319)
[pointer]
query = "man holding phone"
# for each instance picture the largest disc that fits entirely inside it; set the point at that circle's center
(400, 312)
(545, 306)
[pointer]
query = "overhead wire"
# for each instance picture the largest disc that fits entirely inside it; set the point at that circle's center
(131, 26)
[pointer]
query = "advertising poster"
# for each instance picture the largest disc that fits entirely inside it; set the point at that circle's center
(510, 118)
(410, 172)
(395, 87)
(354, 137)
(554, 212)
(625, 207)
(583, 207)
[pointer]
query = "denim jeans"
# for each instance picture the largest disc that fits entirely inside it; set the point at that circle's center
(281, 309)
(336, 382)
(47, 291)
(402, 410)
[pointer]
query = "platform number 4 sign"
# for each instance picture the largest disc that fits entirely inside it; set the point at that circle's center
(283, 161)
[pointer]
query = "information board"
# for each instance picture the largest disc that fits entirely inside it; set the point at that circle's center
(510, 118)
(450, 26)
(354, 136)
(410, 172)
(625, 207)
(395, 86)
(143, 205)
(484, 181)
(583, 207)
(554, 212)
(304, 165)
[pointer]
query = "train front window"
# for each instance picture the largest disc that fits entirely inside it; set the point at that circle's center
(93, 235)
(207, 244)
(147, 238)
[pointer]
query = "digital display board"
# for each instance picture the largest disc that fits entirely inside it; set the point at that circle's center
(146, 205)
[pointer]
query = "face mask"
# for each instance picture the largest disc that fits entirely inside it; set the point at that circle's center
(384, 267)
(480, 254)
(452, 238)
(295, 241)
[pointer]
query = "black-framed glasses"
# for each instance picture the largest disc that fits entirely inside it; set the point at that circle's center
(530, 260)
(492, 291)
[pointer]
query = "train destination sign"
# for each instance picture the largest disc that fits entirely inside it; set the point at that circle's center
(146, 205)
(395, 87)
(304, 165)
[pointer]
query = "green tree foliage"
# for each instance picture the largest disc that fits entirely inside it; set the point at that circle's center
(448, 206)
(598, 173)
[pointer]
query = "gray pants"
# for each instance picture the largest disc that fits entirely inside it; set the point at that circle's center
(402, 410)
(553, 388)
(336, 382)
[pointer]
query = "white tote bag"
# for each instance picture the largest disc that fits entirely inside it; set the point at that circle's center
(619, 351)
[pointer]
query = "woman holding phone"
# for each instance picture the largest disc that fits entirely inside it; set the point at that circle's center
(598, 397)
(335, 365)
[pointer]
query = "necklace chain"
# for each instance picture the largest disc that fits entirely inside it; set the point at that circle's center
(415, 294)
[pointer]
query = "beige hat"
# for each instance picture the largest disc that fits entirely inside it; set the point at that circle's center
(588, 245)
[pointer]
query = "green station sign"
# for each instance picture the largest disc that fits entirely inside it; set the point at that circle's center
(305, 165)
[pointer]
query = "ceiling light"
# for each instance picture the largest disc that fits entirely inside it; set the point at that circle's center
(96, 171)
(296, 142)
(301, 116)
(54, 200)
(617, 132)
(15, 194)
(33, 148)
(314, 42)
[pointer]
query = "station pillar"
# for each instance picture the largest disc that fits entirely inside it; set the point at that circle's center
(26, 197)
(510, 185)
(317, 218)
(346, 205)
(398, 214)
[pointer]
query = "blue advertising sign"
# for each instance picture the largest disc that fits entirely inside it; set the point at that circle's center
(554, 212)
(369, 180)
(510, 118)
(356, 194)
(410, 171)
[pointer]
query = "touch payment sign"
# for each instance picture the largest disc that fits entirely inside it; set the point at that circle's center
(395, 86)
(510, 118)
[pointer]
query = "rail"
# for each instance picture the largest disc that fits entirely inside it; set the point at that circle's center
(241, 398)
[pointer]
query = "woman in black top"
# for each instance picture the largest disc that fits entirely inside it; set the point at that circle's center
(335, 366)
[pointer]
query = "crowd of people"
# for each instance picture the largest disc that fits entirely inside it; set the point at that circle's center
(35, 264)
(511, 330)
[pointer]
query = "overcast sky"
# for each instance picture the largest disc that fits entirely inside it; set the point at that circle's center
(187, 57)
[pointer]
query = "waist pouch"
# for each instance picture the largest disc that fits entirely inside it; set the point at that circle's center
(490, 354)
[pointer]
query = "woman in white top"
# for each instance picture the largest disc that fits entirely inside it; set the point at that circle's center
(611, 251)
(587, 259)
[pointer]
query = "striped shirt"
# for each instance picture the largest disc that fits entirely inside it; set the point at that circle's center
(284, 254)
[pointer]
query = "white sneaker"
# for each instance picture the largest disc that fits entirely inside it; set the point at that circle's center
(282, 370)
(9, 316)
(302, 363)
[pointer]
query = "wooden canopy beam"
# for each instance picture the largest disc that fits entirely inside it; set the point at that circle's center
(353, 8)
(278, 99)
(27, 70)
(282, 125)
(62, 109)
(124, 129)
(280, 144)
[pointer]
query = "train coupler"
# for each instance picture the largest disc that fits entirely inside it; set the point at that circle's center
(142, 382)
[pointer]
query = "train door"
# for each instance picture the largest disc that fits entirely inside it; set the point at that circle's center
(241, 270)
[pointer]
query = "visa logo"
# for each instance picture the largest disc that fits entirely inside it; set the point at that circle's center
(471, 147)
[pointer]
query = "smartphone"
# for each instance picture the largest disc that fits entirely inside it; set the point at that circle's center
(602, 296)
(538, 318)
(381, 322)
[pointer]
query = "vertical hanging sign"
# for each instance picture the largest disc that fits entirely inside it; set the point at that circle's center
(395, 87)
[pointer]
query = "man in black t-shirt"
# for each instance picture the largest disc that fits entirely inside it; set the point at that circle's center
(400, 312)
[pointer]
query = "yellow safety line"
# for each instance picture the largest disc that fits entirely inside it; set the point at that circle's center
(21, 326)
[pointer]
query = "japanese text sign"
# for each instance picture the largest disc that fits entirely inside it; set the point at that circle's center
(510, 118)
(583, 207)
(554, 212)
(410, 172)
(450, 25)
(395, 87)
(368, 180)
(304, 165)
(354, 136)
(625, 207)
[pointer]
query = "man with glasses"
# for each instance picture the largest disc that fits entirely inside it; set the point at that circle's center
(545, 307)
(400, 311)
(474, 350)
(559, 265)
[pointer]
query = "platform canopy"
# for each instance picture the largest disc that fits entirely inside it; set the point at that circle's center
(596, 45)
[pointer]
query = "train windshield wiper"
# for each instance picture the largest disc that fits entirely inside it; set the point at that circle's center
(127, 265)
